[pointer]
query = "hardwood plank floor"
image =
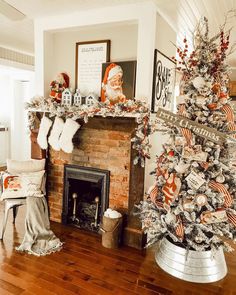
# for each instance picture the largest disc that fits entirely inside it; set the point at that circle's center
(85, 267)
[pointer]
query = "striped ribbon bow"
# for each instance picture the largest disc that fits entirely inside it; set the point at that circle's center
(229, 117)
(179, 230)
(185, 132)
(153, 196)
(221, 188)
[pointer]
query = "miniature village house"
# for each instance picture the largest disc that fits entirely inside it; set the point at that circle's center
(90, 100)
(67, 97)
(77, 98)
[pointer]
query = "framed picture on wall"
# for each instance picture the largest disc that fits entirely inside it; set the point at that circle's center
(163, 87)
(118, 81)
(88, 65)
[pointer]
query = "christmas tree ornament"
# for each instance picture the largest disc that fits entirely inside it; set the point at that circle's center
(201, 200)
(44, 127)
(194, 153)
(181, 167)
(220, 178)
(213, 217)
(171, 189)
(69, 129)
(198, 239)
(188, 205)
(179, 140)
(169, 218)
(216, 88)
(55, 133)
(194, 180)
(200, 100)
(212, 106)
(198, 82)
(171, 153)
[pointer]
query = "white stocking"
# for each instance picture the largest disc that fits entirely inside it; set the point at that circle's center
(56, 131)
(43, 132)
(68, 132)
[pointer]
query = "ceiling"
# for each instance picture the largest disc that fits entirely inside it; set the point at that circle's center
(183, 16)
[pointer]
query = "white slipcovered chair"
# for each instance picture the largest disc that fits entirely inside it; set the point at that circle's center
(14, 197)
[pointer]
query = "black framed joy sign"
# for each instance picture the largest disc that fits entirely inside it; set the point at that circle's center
(163, 82)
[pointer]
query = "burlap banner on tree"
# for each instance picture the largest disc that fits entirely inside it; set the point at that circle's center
(199, 129)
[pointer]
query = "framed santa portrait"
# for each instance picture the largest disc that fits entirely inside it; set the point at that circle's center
(118, 81)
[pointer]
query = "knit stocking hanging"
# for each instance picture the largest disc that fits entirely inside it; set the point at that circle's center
(43, 132)
(56, 131)
(68, 132)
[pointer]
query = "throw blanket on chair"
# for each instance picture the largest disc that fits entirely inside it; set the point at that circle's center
(39, 239)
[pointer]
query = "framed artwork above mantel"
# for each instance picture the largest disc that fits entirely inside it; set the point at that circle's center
(89, 57)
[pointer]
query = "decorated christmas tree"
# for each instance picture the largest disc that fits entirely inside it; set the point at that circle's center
(193, 199)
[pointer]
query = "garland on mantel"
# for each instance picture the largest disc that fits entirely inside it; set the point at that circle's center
(130, 108)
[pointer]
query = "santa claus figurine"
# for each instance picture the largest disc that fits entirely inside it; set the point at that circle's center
(58, 85)
(112, 91)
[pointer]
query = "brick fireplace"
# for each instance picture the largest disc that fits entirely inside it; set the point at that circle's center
(103, 143)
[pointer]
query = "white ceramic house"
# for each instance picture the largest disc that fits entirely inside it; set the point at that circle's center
(91, 100)
(67, 97)
(77, 98)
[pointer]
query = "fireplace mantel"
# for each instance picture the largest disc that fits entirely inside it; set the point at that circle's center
(104, 143)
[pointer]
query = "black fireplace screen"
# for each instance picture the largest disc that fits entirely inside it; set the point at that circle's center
(86, 196)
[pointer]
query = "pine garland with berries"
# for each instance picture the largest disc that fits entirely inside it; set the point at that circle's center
(134, 108)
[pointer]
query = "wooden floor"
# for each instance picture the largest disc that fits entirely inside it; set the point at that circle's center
(85, 267)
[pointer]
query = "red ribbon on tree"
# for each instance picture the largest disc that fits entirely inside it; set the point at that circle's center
(160, 170)
(185, 132)
(229, 117)
(221, 189)
(179, 230)
(231, 217)
(153, 196)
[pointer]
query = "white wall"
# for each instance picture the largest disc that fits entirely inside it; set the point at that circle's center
(123, 47)
(164, 36)
(143, 14)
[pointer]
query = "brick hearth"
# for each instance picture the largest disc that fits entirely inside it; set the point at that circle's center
(103, 143)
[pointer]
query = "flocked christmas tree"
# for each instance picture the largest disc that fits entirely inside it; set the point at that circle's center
(193, 200)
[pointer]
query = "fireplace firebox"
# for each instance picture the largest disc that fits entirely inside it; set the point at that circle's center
(85, 196)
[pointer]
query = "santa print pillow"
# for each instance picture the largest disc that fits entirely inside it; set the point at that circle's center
(21, 185)
(11, 186)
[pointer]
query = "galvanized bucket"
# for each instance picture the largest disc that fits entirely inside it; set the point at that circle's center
(192, 266)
